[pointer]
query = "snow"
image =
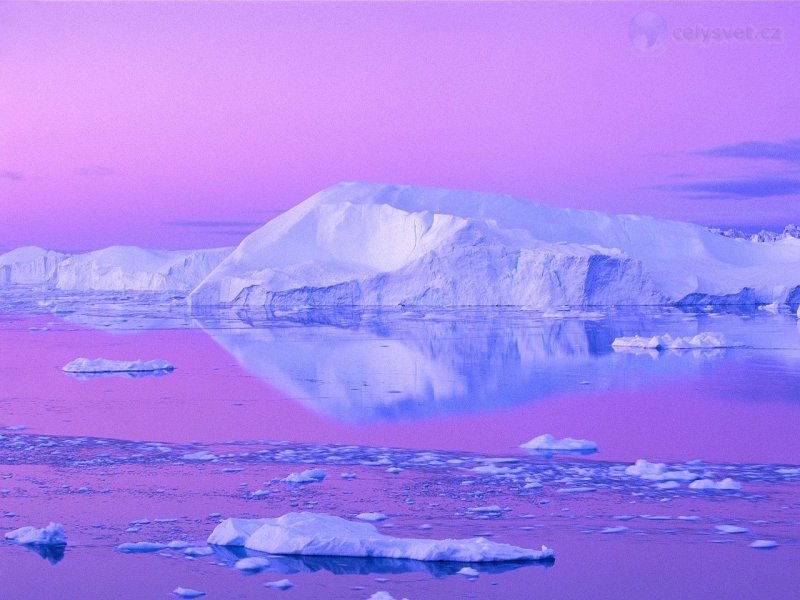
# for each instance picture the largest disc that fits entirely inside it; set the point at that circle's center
(118, 268)
(181, 592)
(763, 544)
(309, 476)
(706, 339)
(327, 535)
(103, 365)
(548, 444)
(52, 535)
(726, 484)
(374, 244)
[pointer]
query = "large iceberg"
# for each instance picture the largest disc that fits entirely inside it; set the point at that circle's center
(372, 244)
(118, 268)
(319, 534)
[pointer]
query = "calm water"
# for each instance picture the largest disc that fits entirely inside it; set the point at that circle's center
(440, 396)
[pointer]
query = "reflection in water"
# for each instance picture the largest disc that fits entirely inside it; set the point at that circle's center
(393, 366)
(343, 565)
(51, 554)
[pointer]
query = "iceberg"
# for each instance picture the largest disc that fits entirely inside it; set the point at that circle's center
(309, 476)
(372, 244)
(726, 484)
(181, 592)
(706, 339)
(102, 365)
(320, 534)
(52, 535)
(547, 444)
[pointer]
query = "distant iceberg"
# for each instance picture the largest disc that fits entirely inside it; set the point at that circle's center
(706, 339)
(103, 365)
(52, 535)
(319, 534)
(547, 444)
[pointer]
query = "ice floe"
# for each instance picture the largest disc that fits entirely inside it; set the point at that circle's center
(547, 444)
(252, 564)
(763, 544)
(371, 517)
(140, 547)
(280, 584)
(309, 476)
(658, 472)
(730, 529)
(726, 484)
(327, 535)
(182, 592)
(100, 366)
(52, 535)
(706, 339)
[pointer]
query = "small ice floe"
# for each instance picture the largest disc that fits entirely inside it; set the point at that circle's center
(383, 596)
(252, 564)
(281, 584)
(706, 339)
(201, 455)
(317, 534)
(576, 490)
(348, 476)
(658, 472)
(710, 485)
(547, 444)
(371, 517)
(468, 572)
(101, 366)
(199, 551)
(619, 529)
(178, 545)
(52, 535)
(309, 476)
(140, 547)
(182, 592)
(763, 544)
(730, 529)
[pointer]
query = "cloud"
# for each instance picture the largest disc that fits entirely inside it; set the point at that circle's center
(757, 187)
(12, 175)
(95, 171)
(788, 150)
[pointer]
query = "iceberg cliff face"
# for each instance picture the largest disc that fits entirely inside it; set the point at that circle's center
(118, 268)
(370, 244)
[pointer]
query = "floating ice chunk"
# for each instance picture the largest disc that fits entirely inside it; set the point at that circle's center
(730, 529)
(620, 529)
(187, 593)
(726, 484)
(547, 444)
(140, 547)
(371, 517)
(281, 584)
(763, 544)
(52, 535)
(103, 365)
(486, 509)
(382, 596)
(201, 455)
(178, 545)
(668, 485)
(658, 472)
(706, 339)
(576, 490)
(309, 476)
(468, 572)
(252, 563)
(348, 476)
(199, 551)
(327, 535)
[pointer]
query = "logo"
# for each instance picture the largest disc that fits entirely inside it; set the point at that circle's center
(648, 34)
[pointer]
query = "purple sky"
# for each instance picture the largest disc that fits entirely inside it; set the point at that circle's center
(187, 125)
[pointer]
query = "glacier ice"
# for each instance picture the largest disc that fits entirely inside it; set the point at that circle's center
(546, 443)
(327, 535)
(103, 365)
(373, 244)
(52, 535)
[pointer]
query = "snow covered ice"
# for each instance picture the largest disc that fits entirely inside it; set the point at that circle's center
(103, 365)
(52, 535)
(328, 535)
(548, 444)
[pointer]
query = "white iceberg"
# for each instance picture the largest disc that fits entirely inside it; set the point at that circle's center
(309, 476)
(372, 244)
(726, 484)
(103, 365)
(52, 535)
(763, 544)
(658, 472)
(706, 339)
(548, 444)
(319, 534)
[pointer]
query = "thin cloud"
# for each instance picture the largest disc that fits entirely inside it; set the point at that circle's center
(12, 175)
(788, 150)
(735, 189)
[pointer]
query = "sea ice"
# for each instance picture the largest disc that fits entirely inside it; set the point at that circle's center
(547, 444)
(371, 517)
(730, 529)
(202, 455)
(309, 476)
(280, 584)
(327, 535)
(468, 572)
(52, 535)
(181, 592)
(252, 563)
(763, 544)
(726, 484)
(140, 547)
(103, 365)
(706, 339)
(658, 472)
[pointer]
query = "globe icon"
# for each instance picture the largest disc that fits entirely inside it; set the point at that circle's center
(648, 33)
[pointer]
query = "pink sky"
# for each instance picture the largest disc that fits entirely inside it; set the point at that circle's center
(187, 124)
